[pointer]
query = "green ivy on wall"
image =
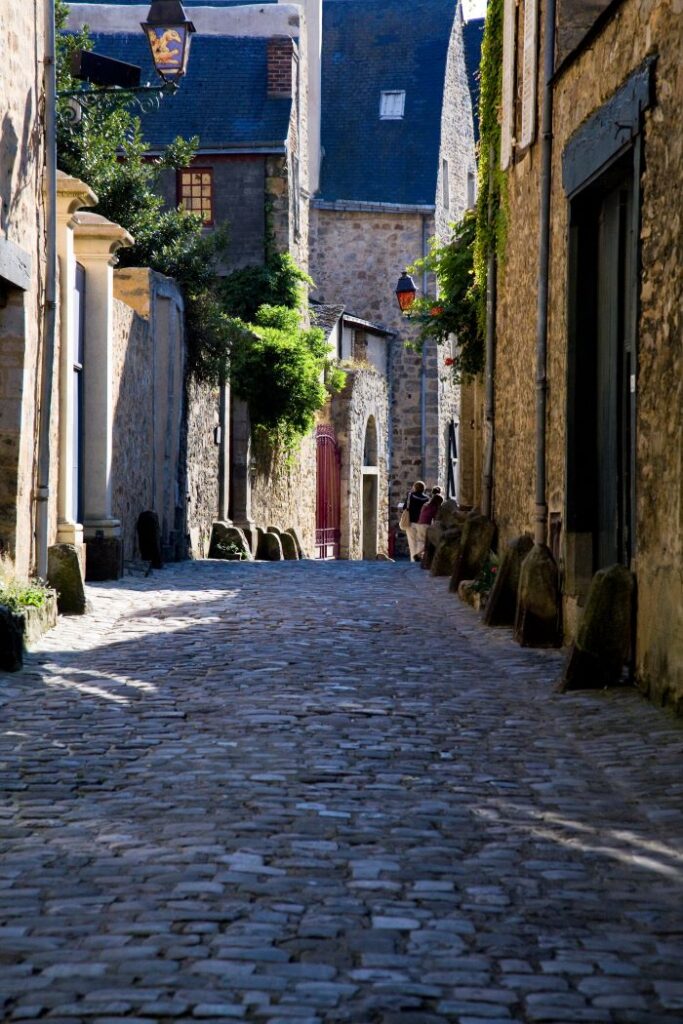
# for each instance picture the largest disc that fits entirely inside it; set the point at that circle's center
(491, 228)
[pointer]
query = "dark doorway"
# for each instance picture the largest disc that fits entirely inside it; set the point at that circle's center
(602, 366)
(328, 505)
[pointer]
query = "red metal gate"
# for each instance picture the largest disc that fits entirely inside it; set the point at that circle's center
(328, 508)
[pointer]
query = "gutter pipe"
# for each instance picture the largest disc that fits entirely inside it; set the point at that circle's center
(489, 398)
(541, 511)
(50, 305)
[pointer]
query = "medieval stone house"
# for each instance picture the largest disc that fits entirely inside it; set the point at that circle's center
(398, 166)
(614, 426)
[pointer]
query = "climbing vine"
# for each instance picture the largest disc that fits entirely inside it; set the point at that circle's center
(454, 312)
(491, 213)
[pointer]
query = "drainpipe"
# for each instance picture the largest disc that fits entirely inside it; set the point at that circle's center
(50, 305)
(423, 367)
(489, 408)
(541, 513)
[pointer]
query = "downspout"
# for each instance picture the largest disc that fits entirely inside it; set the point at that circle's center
(50, 305)
(541, 512)
(489, 397)
(423, 366)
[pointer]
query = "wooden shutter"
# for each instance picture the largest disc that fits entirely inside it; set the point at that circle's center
(508, 84)
(530, 75)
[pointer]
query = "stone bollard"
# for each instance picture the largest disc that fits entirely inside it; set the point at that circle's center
(501, 607)
(537, 622)
(604, 640)
(295, 536)
(447, 551)
(65, 575)
(477, 538)
(228, 542)
(289, 550)
(272, 547)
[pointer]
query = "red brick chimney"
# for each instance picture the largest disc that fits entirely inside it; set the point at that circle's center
(280, 61)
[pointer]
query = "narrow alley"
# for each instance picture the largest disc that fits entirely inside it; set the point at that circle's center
(305, 793)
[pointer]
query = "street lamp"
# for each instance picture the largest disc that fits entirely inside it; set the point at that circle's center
(405, 292)
(168, 31)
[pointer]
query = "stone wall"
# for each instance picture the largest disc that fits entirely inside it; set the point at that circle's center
(201, 457)
(22, 270)
(283, 492)
(132, 467)
(148, 393)
(359, 414)
(637, 28)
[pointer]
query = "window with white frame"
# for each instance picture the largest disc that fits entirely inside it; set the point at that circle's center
(392, 104)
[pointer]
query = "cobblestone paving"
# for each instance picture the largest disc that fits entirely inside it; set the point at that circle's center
(311, 793)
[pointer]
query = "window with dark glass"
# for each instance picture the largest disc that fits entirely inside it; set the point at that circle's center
(195, 192)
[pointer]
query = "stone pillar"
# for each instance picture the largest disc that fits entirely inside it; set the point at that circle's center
(241, 465)
(72, 194)
(96, 241)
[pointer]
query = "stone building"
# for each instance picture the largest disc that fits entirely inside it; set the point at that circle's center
(251, 97)
(398, 166)
(613, 430)
(23, 277)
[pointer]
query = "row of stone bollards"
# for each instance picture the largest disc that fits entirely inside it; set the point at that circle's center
(525, 594)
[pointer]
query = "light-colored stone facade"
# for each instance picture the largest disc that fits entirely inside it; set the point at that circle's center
(22, 277)
(356, 259)
(359, 415)
(637, 29)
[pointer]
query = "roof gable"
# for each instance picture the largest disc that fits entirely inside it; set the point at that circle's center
(370, 46)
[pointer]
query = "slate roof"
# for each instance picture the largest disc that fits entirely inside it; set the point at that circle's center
(472, 36)
(370, 46)
(325, 316)
(222, 99)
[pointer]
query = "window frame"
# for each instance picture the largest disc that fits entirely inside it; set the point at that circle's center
(384, 94)
(207, 223)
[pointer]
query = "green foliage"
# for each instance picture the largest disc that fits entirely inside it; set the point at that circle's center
(487, 577)
(491, 201)
(16, 594)
(278, 283)
(276, 366)
(454, 312)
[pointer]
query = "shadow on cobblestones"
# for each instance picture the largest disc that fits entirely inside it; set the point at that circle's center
(292, 793)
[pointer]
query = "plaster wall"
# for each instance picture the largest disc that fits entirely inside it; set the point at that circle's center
(637, 29)
(248, 21)
(22, 247)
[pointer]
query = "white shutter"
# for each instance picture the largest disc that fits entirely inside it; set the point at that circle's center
(529, 81)
(508, 84)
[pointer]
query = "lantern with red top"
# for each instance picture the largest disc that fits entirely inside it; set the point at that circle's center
(168, 31)
(405, 292)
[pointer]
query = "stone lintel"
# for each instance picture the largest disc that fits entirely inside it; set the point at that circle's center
(15, 265)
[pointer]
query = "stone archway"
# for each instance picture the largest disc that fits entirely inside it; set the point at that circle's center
(370, 490)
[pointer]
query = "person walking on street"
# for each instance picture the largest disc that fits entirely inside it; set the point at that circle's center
(415, 500)
(426, 518)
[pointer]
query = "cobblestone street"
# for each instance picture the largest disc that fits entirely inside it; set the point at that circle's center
(305, 793)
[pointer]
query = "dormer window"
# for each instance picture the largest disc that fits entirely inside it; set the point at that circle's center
(392, 105)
